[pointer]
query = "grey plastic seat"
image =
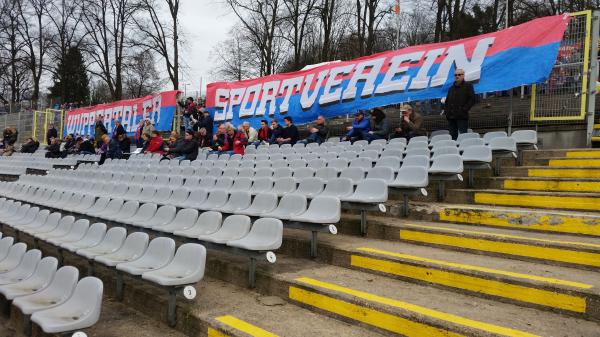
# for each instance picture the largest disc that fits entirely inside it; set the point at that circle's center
(338, 164)
(246, 172)
(113, 207)
(418, 152)
(261, 185)
(49, 224)
(364, 163)
(187, 267)
(369, 154)
(338, 187)
(134, 246)
(525, 138)
(439, 137)
(284, 186)
(24, 269)
(444, 150)
(290, 205)
(503, 144)
(112, 241)
(447, 164)
(384, 173)
(207, 223)
(298, 163)
(216, 200)
(241, 184)
(275, 164)
(146, 195)
(77, 232)
(13, 258)
(322, 209)
(80, 311)
(128, 210)
(184, 219)
(223, 183)
(58, 291)
(326, 173)
(303, 172)
(40, 279)
(162, 195)
(282, 172)
(462, 145)
(195, 199)
(488, 136)
(207, 182)
(159, 253)
(266, 234)
(262, 203)
(443, 143)
(392, 153)
(230, 172)
(178, 197)
(164, 215)
(98, 206)
(92, 237)
(418, 139)
(328, 156)
(391, 162)
(238, 201)
(64, 226)
(356, 174)
(411, 177)
(310, 156)
(417, 145)
(134, 192)
(234, 227)
(262, 163)
(422, 161)
(316, 164)
(469, 135)
(215, 172)
(369, 191)
(348, 155)
(38, 221)
(143, 213)
(477, 154)
(86, 202)
(263, 172)
(310, 187)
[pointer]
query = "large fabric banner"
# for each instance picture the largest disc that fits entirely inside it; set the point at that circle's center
(519, 55)
(160, 109)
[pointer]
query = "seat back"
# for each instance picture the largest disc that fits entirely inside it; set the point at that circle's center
(418, 160)
(488, 136)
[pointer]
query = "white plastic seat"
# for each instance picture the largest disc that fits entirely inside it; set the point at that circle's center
(195, 199)
(98, 206)
(422, 161)
(525, 138)
(503, 144)
(263, 172)
(477, 154)
(92, 237)
(215, 201)
(339, 164)
(162, 195)
(447, 164)
(128, 210)
(38, 221)
(338, 187)
(326, 173)
(184, 219)
(159, 253)
(13, 258)
(443, 143)
(284, 186)
(369, 191)
(282, 172)
(392, 153)
(439, 137)
(246, 173)
(469, 135)
(444, 150)
(230, 172)
(207, 223)
(24, 269)
(411, 177)
(241, 184)
(488, 136)
(316, 164)
(86, 202)
(207, 182)
(290, 205)
(134, 192)
(266, 234)
(58, 291)
(134, 246)
(303, 172)
(384, 173)
(322, 209)
(224, 183)
(187, 267)
(262, 163)
(40, 279)
(80, 311)
(261, 185)
(462, 145)
(49, 224)
(77, 232)
(112, 241)
(113, 207)
(391, 162)
(30, 216)
(143, 213)
(364, 163)
(164, 215)
(356, 174)
(238, 201)
(234, 227)
(275, 164)
(310, 187)
(64, 226)
(262, 203)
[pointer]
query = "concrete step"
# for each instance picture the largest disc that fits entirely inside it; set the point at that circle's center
(570, 222)
(555, 288)
(556, 153)
(532, 199)
(545, 171)
(574, 162)
(555, 249)
(540, 184)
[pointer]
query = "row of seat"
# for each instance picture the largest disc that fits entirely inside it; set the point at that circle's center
(44, 293)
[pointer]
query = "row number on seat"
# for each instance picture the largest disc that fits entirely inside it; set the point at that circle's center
(189, 292)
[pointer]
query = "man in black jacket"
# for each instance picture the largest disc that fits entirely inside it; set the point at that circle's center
(459, 100)
(51, 133)
(318, 132)
(186, 149)
(289, 134)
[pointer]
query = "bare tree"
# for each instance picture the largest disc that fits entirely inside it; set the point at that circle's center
(14, 77)
(233, 57)
(298, 15)
(141, 76)
(368, 17)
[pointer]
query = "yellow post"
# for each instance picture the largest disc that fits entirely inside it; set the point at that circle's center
(34, 125)
(45, 126)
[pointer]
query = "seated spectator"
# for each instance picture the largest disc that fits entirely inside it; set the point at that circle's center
(86, 146)
(239, 140)
(381, 126)
(250, 132)
(146, 141)
(30, 146)
(221, 140)
(318, 133)
(203, 138)
(51, 133)
(264, 133)
(174, 139)
(276, 132)
(359, 127)
(139, 142)
(69, 142)
(110, 148)
(411, 124)
(155, 143)
(53, 149)
(125, 143)
(289, 134)
(206, 121)
(186, 149)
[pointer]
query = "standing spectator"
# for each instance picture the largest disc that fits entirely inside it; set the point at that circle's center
(148, 127)
(30, 146)
(319, 131)
(290, 133)
(411, 124)
(276, 132)
(381, 126)
(203, 138)
(186, 149)
(239, 140)
(155, 144)
(99, 131)
(459, 100)
(207, 122)
(359, 127)
(264, 133)
(221, 140)
(119, 129)
(188, 110)
(250, 132)
(138, 134)
(51, 133)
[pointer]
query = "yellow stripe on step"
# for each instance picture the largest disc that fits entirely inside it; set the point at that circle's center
(583, 154)
(245, 327)
(333, 305)
(542, 201)
(564, 173)
(517, 249)
(548, 280)
(574, 162)
(463, 231)
(552, 185)
(215, 333)
(551, 223)
(474, 284)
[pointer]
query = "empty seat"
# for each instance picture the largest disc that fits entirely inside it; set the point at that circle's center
(283, 186)
(439, 132)
(391, 162)
(282, 172)
(279, 163)
(477, 154)
(326, 173)
(338, 164)
(82, 309)
(463, 144)
(266, 234)
(338, 187)
(49, 224)
(13, 258)
(178, 197)
(207, 183)
(303, 172)
(24, 269)
(356, 174)
(246, 173)
(384, 173)
(92, 237)
(262, 203)
(127, 211)
(215, 200)
(392, 153)
(187, 267)
(159, 253)
(184, 219)
(439, 137)
(419, 160)
(525, 138)
(112, 208)
(58, 291)
(298, 163)
(503, 144)
(40, 279)
(411, 177)
(322, 209)
(195, 198)
(207, 223)
(112, 241)
(316, 164)
(64, 226)
(444, 150)
(488, 136)
(223, 183)
(263, 172)
(241, 184)
(290, 205)
(134, 246)
(443, 143)
(310, 187)
(468, 135)
(77, 232)
(261, 185)
(418, 152)
(230, 172)
(369, 191)
(369, 154)
(238, 201)
(163, 216)
(364, 163)
(234, 227)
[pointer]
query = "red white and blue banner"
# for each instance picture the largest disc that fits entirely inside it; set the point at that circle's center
(160, 109)
(519, 55)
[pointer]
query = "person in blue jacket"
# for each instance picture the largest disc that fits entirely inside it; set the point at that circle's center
(359, 128)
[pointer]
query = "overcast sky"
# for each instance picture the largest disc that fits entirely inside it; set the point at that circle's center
(205, 23)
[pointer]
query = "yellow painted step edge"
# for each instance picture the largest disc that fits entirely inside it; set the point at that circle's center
(215, 333)
(548, 280)
(330, 304)
(516, 249)
(574, 162)
(244, 326)
(550, 223)
(564, 173)
(543, 201)
(474, 284)
(552, 185)
(583, 154)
